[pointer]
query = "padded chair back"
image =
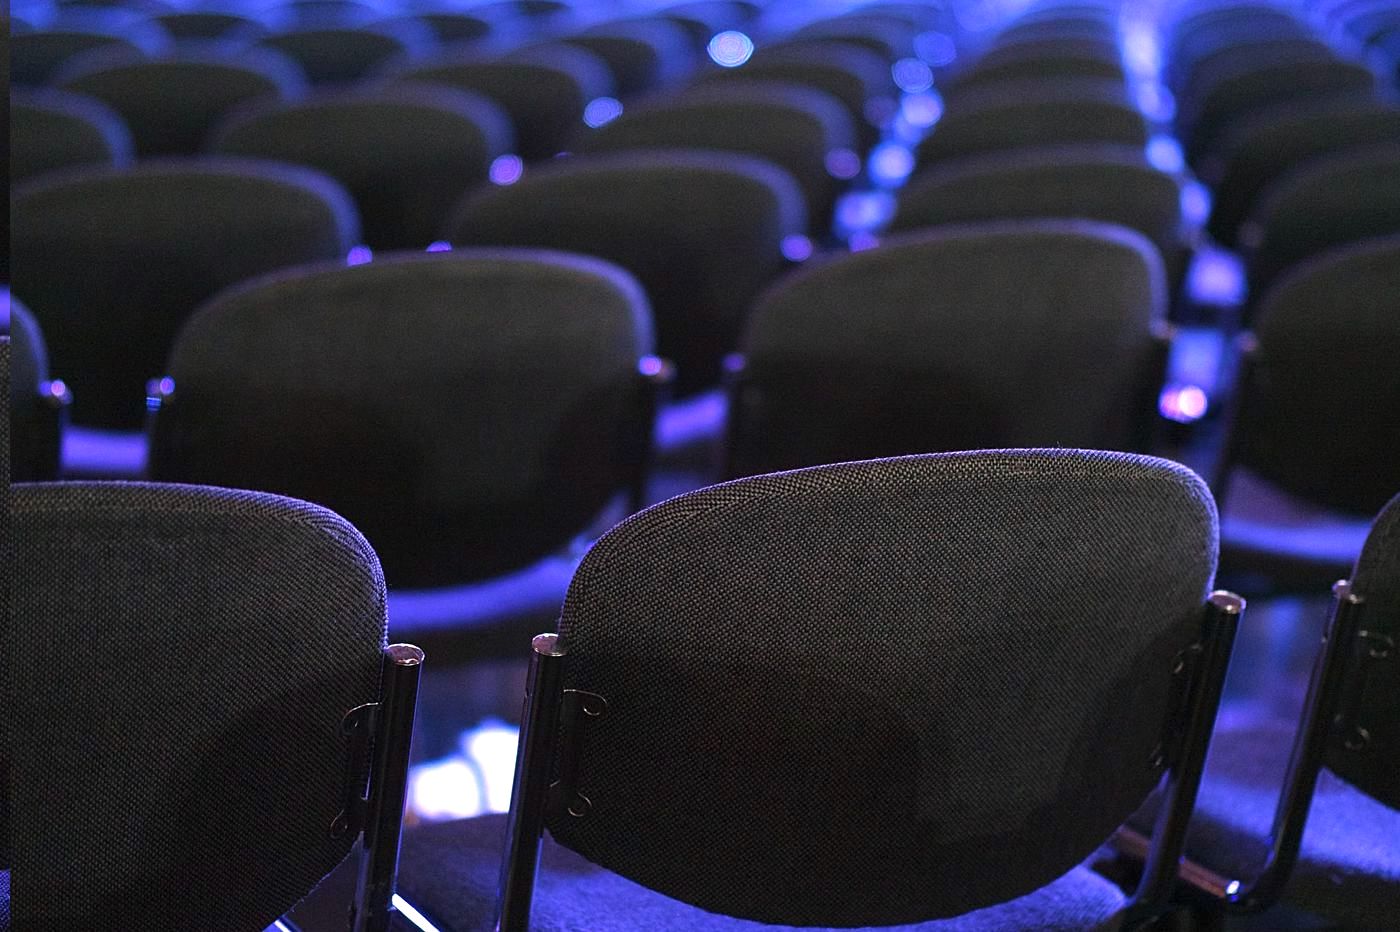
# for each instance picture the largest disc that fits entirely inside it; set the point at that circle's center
(52, 129)
(210, 24)
(405, 153)
(643, 55)
(881, 692)
(1012, 115)
(172, 104)
(220, 638)
(702, 231)
(794, 127)
(1013, 333)
(1366, 756)
(1326, 202)
(1323, 397)
(32, 421)
(112, 261)
(1267, 145)
(545, 95)
(1039, 60)
(341, 55)
(35, 57)
(470, 412)
(1094, 182)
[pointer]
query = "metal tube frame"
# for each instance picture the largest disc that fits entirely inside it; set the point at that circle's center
(656, 376)
(1153, 896)
(534, 766)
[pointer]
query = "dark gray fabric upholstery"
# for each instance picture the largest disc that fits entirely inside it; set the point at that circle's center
(33, 429)
(1039, 60)
(891, 41)
(450, 871)
(543, 94)
(111, 262)
(405, 153)
(1273, 140)
(1014, 114)
(51, 129)
(1372, 766)
(1321, 415)
(333, 55)
(1221, 62)
(793, 127)
(36, 56)
(642, 55)
(1114, 184)
(702, 231)
(172, 103)
(1015, 333)
(190, 654)
(469, 412)
(210, 24)
(986, 637)
(1330, 201)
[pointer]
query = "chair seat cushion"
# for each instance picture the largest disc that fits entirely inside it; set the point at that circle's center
(449, 871)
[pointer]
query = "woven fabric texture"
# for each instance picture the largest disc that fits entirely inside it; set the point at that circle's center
(1375, 765)
(417, 148)
(1013, 333)
(171, 104)
(1329, 201)
(111, 262)
(1014, 114)
(702, 232)
(1321, 413)
(190, 654)
(469, 412)
(52, 129)
(450, 872)
(884, 691)
(791, 126)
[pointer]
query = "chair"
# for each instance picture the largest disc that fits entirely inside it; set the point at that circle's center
(1318, 398)
(112, 261)
(1010, 115)
(1093, 182)
(702, 231)
(643, 55)
(405, 153)
(173, 103)
(471, 412)
(38, 406)
(1040, 60)
(1010, 333)
(890, 40)
(1305, 811)
(1280, 138)
(51, 130)
(1329, 201)
(36, 56)
(897, 612)
(545, 94)
(343, 55)
(212, 767)
(794, 127)
(210, 25)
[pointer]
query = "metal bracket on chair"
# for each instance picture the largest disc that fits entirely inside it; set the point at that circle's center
(564, 796)
(1178, 719)
(358, 728)
(1368, 648)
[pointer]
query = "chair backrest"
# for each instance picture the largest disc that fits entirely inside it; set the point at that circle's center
(1039, 59)
(702, 231)
(33, 421)
(405, 153)
(51, 129)
(1274, 140)
(36, 56)
(210, 24)
(1115, 184)
(171, 104)
(340, 55)
(796, 128)
(642, 55)
(1341, 198)
(470, 412)
(1365, 755)
(112, 261)
(220, 638)
(985, 637)
(1014, 114)
(1322, 399)
(1011, 333)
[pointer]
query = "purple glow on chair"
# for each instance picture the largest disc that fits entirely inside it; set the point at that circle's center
(843, 164)
(441, 245)
(506, 169)
(912, 75)
(1141, 51)
(935, 48)
(1164, 154)
(58, 389)
(921, 110)
(1195, 203)
(863, 240)
(864, 210)
(891, 163)
(880, 110)
(359, 255)
(1183, 403)
(797, 248)
(1155, 101)
(730, 49)
(601, 110)
(1217, 278)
